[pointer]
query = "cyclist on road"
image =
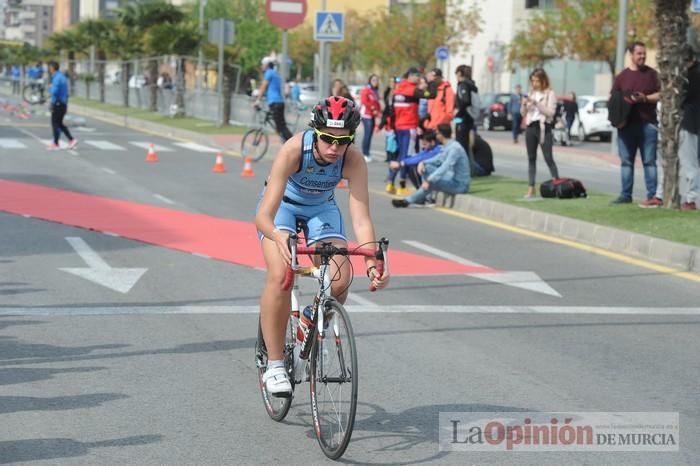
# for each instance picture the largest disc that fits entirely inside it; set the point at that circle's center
(271, 88)
(301, 186)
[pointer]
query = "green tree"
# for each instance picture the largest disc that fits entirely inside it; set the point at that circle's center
(406, 35)
(582, 30)
(672, 24)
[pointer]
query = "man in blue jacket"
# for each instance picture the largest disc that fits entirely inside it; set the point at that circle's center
(430, 148)
(59, 106)
(447, 172)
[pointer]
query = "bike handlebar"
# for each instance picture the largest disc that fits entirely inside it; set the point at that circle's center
(328, 250)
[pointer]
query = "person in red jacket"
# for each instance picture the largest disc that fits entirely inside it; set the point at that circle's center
(370, 109)
(406, 120)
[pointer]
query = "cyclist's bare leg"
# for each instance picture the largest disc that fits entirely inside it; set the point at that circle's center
(340, 271)
(274, 302)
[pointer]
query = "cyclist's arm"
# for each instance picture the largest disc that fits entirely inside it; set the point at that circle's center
(355, 171)
(262, 90)
(285, 164)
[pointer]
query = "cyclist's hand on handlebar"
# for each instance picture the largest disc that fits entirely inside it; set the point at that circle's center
(377, 281)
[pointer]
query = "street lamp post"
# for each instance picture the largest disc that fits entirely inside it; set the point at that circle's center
(200, 57)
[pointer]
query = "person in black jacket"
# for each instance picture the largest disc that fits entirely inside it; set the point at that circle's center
(464, 121)
(689, 149)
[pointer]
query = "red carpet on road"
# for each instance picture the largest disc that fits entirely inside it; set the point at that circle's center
(223, 239)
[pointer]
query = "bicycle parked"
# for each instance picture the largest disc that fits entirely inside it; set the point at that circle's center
(324, 353)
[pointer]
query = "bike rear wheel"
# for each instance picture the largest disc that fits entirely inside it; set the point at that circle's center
(255, 143)
(333, 381)
(32, 95)
(276, 407)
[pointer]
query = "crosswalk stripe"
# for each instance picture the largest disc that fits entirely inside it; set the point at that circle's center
(62, 144)
(103, 145)
(147, 145)
(193, 146)
(7, 143)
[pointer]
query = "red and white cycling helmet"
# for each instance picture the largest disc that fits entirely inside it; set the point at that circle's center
(335, 112)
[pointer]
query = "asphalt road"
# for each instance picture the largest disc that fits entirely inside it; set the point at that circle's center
(163, 373)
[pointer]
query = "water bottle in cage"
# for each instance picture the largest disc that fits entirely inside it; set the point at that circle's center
(304, 323)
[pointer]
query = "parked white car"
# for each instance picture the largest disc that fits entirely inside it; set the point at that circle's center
(308, 94)
(592, 118)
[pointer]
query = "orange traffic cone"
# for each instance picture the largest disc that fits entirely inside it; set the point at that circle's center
(219, 164)
(342, 184)
(151, 156)
(248, 168)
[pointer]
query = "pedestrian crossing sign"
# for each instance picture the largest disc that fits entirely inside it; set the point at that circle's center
(330, 26)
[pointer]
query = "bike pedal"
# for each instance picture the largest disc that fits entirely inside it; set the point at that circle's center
(282, 394)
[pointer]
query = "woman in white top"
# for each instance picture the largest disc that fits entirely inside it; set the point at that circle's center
(538, 109)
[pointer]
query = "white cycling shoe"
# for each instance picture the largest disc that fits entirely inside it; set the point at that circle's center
(277, 382)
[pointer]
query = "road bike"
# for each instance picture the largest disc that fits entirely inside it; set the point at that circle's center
(256, 140)
(326, 356)
(33, 93)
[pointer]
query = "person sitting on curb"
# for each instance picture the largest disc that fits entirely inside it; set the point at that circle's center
(430, 148)
(448, 172)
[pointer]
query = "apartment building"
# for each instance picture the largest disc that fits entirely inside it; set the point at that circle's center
(487, 54)
(29, 21)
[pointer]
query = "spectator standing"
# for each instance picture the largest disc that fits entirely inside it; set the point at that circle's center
(59, 107)
(464, 120)
(406, 121)
(447, 172)
(340, 89)
(570, 112)
(514, 112)
(689, 150)
(271, 88)
(539, 109)
(441, 104)
(36, 78)
(640, 87)
(15, 73)
(370, 110)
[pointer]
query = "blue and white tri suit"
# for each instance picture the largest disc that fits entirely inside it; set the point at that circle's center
(310, 197)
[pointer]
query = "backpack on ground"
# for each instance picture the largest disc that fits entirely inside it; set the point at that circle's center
(563, 188)
(483, 157)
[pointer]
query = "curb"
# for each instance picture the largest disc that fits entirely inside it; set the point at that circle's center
(657, 250)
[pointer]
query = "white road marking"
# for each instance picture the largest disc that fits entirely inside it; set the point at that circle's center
(9, 143)
(164, 199)
(109, 233)
(109, 170)
(103, 145)
(193, 146)
(147, 145)
(85, 129)
(524, 280)
(357, 299)
(392, 309)
(280, 6)
(61, 143)
(98, 271)
(203, 256)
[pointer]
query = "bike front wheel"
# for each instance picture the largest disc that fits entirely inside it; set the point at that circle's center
(276, 407)
(254, 144)
(333, 381)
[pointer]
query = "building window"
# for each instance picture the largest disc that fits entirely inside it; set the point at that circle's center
(539, 4)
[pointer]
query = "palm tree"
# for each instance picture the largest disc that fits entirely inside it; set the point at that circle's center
(672, 25)
(73, 43)
(139, 19)
(96, 32)
(179, 39)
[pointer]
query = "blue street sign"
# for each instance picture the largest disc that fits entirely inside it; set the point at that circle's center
(695, 6)
(441, 53)
(330, 26)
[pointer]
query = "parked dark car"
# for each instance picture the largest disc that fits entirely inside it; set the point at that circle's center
(494, 111)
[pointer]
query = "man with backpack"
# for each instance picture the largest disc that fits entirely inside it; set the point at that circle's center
(466, 108)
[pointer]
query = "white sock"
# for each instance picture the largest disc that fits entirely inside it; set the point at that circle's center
(275, 363)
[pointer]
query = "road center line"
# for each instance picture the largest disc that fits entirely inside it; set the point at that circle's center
(164, 199)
